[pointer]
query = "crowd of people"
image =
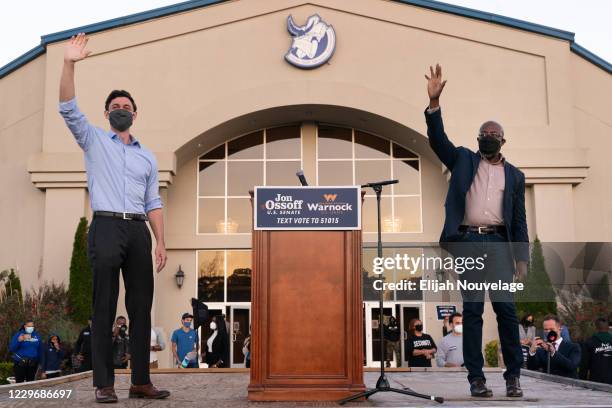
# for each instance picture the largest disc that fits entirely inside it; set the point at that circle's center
(548, 349)
(34, 357)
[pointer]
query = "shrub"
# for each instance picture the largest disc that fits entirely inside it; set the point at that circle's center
(80, 286)
(491, 353)
(6, 371)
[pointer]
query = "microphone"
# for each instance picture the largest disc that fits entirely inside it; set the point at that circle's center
(380, 183)
(300, 175)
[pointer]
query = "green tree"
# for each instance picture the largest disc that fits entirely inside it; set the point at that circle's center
(538, 296)
(80, 286)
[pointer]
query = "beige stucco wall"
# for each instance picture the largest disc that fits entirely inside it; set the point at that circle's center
(207, 75)
(21, 204)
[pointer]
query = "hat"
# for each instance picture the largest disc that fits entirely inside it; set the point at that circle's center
(186, 315)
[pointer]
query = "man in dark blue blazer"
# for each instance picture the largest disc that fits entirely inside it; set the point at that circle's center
(564, 355)
(485, 218)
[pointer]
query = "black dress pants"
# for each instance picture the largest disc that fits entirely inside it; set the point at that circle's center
(116, 244)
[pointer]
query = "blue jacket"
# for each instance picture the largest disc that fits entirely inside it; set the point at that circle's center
(51, 357)
(31, 349)
(463, 164)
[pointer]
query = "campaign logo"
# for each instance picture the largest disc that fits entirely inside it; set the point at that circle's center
(313, 44)
(330, 197)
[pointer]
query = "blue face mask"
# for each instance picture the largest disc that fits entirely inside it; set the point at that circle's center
(187, 324)
(29, 329)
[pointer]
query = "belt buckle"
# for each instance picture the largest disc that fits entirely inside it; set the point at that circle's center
(125, 216)
(481, 230)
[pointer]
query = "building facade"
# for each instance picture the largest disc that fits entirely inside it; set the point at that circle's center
(223, 111)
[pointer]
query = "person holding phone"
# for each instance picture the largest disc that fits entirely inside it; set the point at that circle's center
(26, 349)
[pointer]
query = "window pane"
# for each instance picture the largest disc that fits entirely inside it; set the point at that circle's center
(369, 218)
(409, 275)
(243, 176)
(283, 143)
(211, 212)
(368, 146)
(210, 276)
(368, 276)
(282, 173)
(335, 173)
(215, 154)
(238, 276)
(212, 178)
(246, 147)
(408, 214)
(407, 172)
(239, 217)
(402, 153)
(334, 143)
(373, 170)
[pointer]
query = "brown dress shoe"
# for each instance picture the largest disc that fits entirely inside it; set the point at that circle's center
(147, 391)
(106, 395)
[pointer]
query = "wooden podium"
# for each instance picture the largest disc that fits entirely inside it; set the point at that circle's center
(307, 318)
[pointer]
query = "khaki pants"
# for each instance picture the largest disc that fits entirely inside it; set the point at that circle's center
(393, 347)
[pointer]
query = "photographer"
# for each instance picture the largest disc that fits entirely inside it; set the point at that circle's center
(121, 348)
(26, 349)
(553, 353)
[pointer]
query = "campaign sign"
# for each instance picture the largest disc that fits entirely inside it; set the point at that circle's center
(445, 310)
(307, 208)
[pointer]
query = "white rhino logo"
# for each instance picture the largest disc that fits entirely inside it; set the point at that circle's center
(313, 43)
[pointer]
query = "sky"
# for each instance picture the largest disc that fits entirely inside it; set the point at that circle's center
(22, 24)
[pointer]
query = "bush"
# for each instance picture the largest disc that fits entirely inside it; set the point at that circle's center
(80, 286)
(491, 353)
(539, 297)
(47, 306)
(6, 371)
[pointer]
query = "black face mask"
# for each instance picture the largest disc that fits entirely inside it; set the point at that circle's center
(418, 327)
(489, 146)
(120, 119)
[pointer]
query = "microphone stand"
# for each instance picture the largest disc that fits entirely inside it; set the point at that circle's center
(382, 385)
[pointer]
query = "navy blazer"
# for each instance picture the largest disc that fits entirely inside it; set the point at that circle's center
(564, 363)
(463, 164)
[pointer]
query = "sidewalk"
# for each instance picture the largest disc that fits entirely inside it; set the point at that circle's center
(229, 391)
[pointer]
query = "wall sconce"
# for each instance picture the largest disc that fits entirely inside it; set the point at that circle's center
(180, 277)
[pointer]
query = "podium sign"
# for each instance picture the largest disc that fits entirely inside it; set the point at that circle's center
(307, 208)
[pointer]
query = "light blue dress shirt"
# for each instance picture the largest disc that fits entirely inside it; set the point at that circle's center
(120, 177)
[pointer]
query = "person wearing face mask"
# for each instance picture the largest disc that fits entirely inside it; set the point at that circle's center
(52, 357)
(450, 350)
(420, 347)
(216, 354)
(26, 350)
(122, 180)
(185, 340)
(527, 329)
(485, 219)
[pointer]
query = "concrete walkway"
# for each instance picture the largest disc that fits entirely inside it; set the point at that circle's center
(229, 390)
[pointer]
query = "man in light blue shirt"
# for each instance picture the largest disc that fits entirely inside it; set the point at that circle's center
(124, 191)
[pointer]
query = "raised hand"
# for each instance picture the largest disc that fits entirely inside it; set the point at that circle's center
(75, 49)
(435, 84)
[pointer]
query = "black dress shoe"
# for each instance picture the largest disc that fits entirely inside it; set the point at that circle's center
(106, 395)
(513, 388)
(478, 388)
